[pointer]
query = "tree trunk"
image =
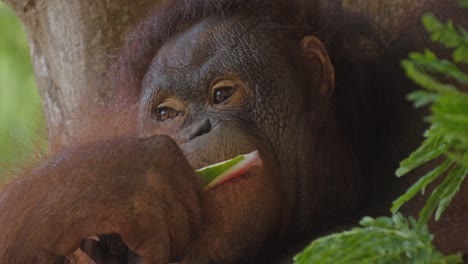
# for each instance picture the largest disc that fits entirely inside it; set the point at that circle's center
(71, 40)
(388, 17)
(70, 43)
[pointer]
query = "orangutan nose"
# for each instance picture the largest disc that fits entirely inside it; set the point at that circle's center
(195, 130)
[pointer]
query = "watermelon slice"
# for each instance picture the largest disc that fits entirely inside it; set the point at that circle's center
(214, 175)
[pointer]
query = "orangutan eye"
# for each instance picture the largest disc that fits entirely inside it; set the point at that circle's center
(223, 94)
(169, 108)
(227, 92)
(164, 113)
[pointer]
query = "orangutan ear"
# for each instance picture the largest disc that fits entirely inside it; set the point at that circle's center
(320, 64)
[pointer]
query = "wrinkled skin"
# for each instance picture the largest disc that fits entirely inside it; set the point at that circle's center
(155, 201)
(220, 88)
(242, 124)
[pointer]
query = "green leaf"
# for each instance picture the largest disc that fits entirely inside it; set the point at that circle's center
(421, 78)
(461, 55)
(451, 116)
(448, 35)
(420, 185)
(459, 158)
(422, 98)
(445, 190)
(445, 34)
(430, 149)
(450, 192)
(429, 61)
(381, 240)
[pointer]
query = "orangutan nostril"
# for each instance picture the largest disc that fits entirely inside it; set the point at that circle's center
(199, 129)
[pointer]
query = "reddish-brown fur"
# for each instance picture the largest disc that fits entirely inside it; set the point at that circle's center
(115, 177)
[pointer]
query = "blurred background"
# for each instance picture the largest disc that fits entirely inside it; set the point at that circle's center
(21, 118)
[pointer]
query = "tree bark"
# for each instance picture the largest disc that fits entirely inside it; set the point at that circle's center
(70, 43)
(388, 17)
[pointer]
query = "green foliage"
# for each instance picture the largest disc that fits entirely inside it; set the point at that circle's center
(464, 3)
(449, 36)
(381, 240)
(447, 139)
(20, 108)
(398, 239)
